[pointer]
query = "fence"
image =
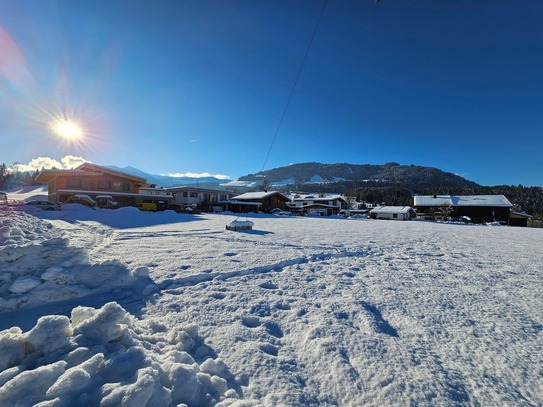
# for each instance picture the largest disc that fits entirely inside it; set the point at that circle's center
(535, 223)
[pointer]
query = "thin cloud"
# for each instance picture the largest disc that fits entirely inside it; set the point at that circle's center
(462, 174)
(196, 175)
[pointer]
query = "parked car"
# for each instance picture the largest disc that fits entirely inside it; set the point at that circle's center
(280, 212)
(147, 206)
(81, 199)
(461, 219)
(43, 205)
(106, 201)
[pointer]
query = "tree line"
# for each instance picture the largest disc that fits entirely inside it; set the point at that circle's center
(10, 178)
(527, 199)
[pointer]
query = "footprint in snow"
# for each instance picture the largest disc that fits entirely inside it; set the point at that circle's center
(250, 322)
(269, 349)
(268, 285)
(274, 329)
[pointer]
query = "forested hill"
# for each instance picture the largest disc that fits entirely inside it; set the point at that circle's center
(356, 175)
(391, 183)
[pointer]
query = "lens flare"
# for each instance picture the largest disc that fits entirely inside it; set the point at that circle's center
(67, 129)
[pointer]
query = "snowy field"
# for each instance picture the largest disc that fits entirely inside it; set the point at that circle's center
(102, 307)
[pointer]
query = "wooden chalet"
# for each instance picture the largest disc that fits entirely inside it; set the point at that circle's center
(98, 181)
(265, 201)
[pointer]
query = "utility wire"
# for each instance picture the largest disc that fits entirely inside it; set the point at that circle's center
(294, 86)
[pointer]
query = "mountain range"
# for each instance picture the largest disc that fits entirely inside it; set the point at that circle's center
(169, 181)
(316, 174)
(358, 175)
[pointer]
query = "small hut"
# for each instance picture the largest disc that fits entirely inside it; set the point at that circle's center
(393, 213)
(240, 225)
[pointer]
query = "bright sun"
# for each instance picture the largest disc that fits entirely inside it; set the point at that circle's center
(67, 129)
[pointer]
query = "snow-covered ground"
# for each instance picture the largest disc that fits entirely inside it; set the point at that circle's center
(103, 307)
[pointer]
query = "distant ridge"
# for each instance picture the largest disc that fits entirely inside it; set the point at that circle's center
(414, 177)
(168, 181)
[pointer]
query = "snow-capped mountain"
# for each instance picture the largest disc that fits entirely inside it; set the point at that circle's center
(170, 181)
(391, 173)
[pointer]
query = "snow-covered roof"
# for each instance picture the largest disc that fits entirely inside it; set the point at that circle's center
(392, 209)
(125, 194)
(191, 188)
(85, 170)
(236, 202)
(293, 205)
(462, 200)
(257, 195)
(319, 198)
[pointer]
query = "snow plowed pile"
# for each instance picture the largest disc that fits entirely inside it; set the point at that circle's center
(39, 266)
(105, 357)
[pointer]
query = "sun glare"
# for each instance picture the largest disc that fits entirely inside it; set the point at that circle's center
(66, 129)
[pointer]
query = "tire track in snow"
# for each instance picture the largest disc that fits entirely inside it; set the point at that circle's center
(171, 284)
(89, 236)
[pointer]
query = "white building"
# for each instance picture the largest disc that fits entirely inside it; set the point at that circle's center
(393, 213)
(194, 196)
(318, 205)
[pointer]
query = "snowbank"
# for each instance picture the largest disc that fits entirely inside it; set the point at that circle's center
(38, 266)
(105, 357)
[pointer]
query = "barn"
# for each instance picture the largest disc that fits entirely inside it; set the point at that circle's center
(480, 208)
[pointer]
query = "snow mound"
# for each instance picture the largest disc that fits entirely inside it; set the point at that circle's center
(106, 357)
(19, 228)
(38, 266)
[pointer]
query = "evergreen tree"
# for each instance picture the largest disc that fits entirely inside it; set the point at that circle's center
(4, 176)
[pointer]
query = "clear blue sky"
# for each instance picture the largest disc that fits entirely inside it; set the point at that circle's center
(200, 86)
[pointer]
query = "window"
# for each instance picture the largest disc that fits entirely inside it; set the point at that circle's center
(194, 195)
(104, 185)
(185, 194)
(73, 182)
(126, 187)
(117, 186)
(395, 215)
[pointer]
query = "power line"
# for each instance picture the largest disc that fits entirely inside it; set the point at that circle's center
(295, 83)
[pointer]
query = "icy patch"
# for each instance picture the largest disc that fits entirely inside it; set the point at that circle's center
(106, 357)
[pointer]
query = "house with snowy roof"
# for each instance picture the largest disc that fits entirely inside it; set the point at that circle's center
(393, 213)
(480, 208)
(205, 198)
(318, 205)
(264, 201)
(97, 181)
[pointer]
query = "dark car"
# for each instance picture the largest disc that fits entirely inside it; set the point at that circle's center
(461, 219)
(43, 205)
